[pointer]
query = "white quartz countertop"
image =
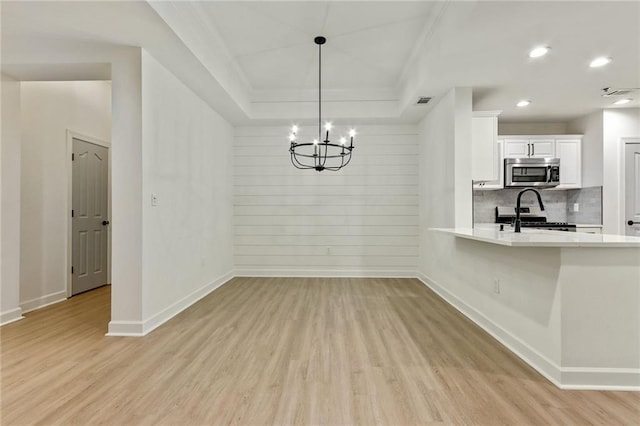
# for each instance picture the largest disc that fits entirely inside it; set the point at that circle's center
(539, 238)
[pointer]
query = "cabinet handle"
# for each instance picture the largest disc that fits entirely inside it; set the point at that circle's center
(528, 150)
(631, 223)
(533, 149)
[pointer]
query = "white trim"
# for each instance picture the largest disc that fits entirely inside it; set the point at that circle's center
(494, 113)
(10, 316)
(70, 136)
(42, 301)
(321, 273)
(610, 379)
(142, 328)
(539, 362)
(622, 182)
(171, 311)
(618, 379)
(125, 328)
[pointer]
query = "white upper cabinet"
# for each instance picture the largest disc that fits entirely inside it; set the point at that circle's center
(485, 156)
(569, 151)
(498, 182)
(528, 147)
(516, 148)
(542, 148)
(568, 148)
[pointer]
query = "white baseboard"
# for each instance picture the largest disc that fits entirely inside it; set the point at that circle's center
(322, 273)
(609, 379)
(41, 302)
(539, 362)
(619, 379)
(8, 317)
(125, 328)
(141, 328)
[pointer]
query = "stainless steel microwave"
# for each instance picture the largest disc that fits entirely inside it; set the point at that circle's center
(535, 172)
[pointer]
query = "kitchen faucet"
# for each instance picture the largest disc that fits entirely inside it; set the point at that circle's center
(517, 224)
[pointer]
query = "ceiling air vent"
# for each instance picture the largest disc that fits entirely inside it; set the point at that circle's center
(423, 100)
(608, 91)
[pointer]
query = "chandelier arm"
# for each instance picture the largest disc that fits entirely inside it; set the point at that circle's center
(348, 160)
(297, 154)
(326, 152)
(342, 164)
(297, 164)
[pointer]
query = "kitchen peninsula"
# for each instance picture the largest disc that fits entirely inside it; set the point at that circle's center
(567, 303)
(491, 233)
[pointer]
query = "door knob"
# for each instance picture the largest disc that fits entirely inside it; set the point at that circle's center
(631, 223)
(105, 222)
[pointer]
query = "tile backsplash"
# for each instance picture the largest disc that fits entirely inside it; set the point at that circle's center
(558, 204)
(590, 205)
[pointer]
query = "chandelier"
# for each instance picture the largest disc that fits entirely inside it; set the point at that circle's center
(320, 154)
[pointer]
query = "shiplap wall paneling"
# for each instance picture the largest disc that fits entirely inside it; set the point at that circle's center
(362, 220)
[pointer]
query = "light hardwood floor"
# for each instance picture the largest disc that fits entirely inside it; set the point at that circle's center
(284, 351)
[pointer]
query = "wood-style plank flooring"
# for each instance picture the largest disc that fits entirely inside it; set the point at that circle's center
(284, 351)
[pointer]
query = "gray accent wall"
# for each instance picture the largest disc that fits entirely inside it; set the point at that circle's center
(558, 204)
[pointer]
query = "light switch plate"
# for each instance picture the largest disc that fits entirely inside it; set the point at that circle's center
(154, 199)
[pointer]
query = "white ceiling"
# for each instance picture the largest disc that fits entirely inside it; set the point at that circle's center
(367, 46)
(379, 57)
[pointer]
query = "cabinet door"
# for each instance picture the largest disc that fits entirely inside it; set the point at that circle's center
(497, 183)
(484, 136)
(516, 148)
(542, 148)
(569, 153)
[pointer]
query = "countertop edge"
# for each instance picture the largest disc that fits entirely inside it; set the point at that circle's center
(474, 234)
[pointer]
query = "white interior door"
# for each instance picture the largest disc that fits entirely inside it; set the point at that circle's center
(89, 216)
(632, 189)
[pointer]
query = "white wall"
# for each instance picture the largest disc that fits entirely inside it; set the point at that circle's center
(46, 54)
(464, 271)
(542, 128)
(10, 211)
(48, 110)
(617, 123)
(591, 126)
(359, 221)
(187, 162)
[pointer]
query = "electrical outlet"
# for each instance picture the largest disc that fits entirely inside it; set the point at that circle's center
(154, 199)
(576, 207)
(496, 286)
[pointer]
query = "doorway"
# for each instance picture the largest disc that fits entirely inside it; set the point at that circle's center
(89, 240)
(632, 188)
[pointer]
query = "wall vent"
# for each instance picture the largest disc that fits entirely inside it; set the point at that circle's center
(423, 100)
(609, 91)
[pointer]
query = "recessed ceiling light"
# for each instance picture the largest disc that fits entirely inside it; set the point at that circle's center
(622, 101)
(539, 51)
(523, 103)
(599, 62)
